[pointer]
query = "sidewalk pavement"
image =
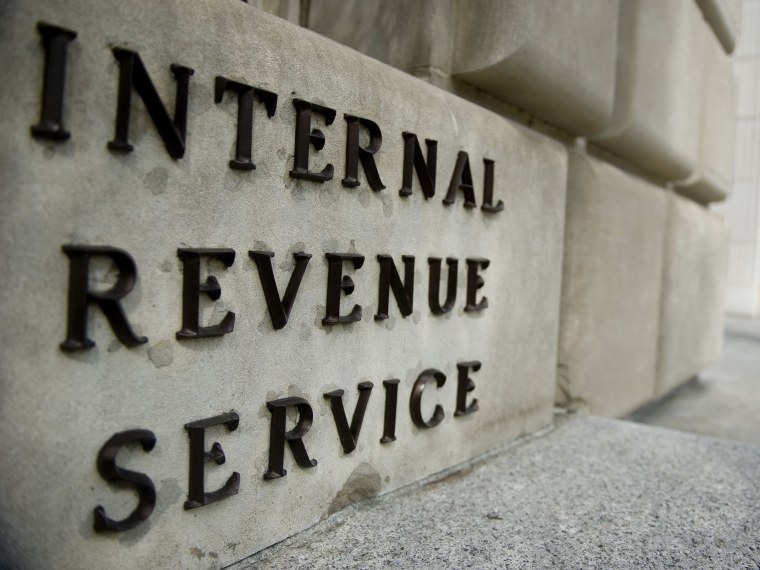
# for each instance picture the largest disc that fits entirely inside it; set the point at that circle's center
(588, 493)
(724, 400)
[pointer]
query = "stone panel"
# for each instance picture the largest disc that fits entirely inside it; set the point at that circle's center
(614, 238)
(691, 325)
(724, 17)
(555, 60)
(712, 179)
(412, 35)
(59, 408)
(658, 92)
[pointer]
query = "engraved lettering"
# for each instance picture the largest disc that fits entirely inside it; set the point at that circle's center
(192, 289)
(306, 136)
(488, 189)
(415, 401)
(355, 153)
(425, 170)
(390, 279)
(434, 285)
(391, 402)
(246, 94)
(461, 179)
(337, 283)
(465, 385)
(119, 476)
(278, 436)
(197, 495)
(132, 73)
(349, 435)
(279, 310)
(55, 41)
(475, 282)
(80, 296)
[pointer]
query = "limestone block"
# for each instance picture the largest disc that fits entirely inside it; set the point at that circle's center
(724, 17)
(614, 239)
(60, 408)
(713, 177)
(658, 92)
(556, 60)
(694, 279)
(412, 35)
(290, 10)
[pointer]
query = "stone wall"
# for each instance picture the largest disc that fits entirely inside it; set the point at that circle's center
(643, 95)
(255, 275)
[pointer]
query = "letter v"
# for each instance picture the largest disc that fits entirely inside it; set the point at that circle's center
(279, 310)
(349, 436)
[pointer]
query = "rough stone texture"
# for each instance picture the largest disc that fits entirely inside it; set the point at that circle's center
(556, 60)
(552, 60)
(713, 177)
(593, 493)
(58, 409)
(724, 17)
(614, 240)
(694, 278)
(658, 90)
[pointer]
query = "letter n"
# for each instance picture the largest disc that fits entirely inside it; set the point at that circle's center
(132, 73)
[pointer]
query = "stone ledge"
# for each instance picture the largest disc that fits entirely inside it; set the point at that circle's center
(591, 493)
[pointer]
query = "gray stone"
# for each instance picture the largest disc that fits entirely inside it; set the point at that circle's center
(555, 60)
(658, 91)
(413, 36)
(724, 17)
(614, 236)
(593, 493)
(713, 177)
(723, 400)
(288, 9)
(694, 280)
(59, 409)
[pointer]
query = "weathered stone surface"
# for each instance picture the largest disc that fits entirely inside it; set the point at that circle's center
(58, 409)
(713, 177)
(554, 60)
(413, 36)
(658, 92)
(593, 493)
(724, 17)
(691, 325)
(288, 9)
(614, 239)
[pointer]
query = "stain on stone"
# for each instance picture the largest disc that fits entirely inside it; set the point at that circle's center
(305, 332)
(213, 555)
(416, 316)
(364, 197)
(170, 493)
(233, 180)
(156, 180)
(166, 266)
(329, 195)
(282, 154)
(114, 346)
(197, 552)
(364, 482)
(161, 354)
(387, 206)
(232, 545)
(390, 322)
